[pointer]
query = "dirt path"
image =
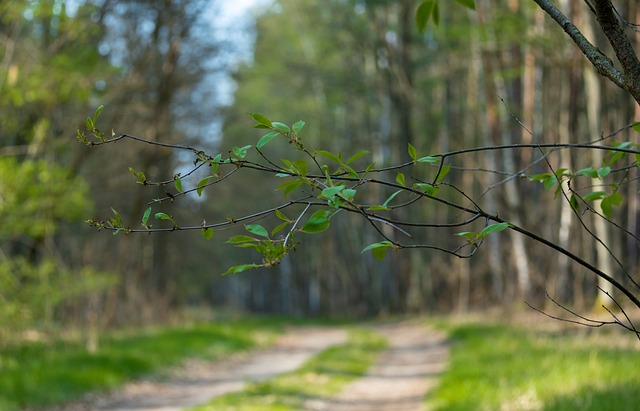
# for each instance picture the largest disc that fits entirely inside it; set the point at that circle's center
(400, 378)
(398, 381)
(197, 382)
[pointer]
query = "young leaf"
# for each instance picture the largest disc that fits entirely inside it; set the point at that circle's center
(589, 172)
(118, 218)
(163, 216)
(329, 192)
(443, 173)
(289, 186)
(594, 195)
(391, 197)
(256, 229)
(470, 4)
(608, 202)
(428, 189)
(241, 152)
(281, 216)
(400, 179)
(636, 127)
(281, 127)
(329, 155)
(239, 239)
(261, 119)
(178, 183)
(379, 250)
(378, 208)
(349, 194)
(423, 14)
(412, 152)
(216, 164)
(318, 222)
(266, 138)
(604, 171)
(279, 227)
(428, 159)
(301, 166)
(240, 268)
(202, 184)
(573, 201)
(145, 216)
(356, 156)
(493, 228)
(97, 113)
(207, 233)
(298, 126)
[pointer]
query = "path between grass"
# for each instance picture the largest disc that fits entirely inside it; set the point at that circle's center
(402, 376)
(197, 382)
(398, 381)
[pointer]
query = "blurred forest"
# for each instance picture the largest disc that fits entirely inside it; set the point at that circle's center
(361, 76)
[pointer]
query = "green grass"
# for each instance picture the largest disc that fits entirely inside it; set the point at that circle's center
(323, 375)
(494, 367)
(40, 374)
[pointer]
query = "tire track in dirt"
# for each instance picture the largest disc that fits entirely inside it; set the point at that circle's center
(400, 378)
(197, 382)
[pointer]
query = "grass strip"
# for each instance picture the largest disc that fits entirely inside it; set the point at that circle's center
(494, 367)
(321, 376)
(47, 373)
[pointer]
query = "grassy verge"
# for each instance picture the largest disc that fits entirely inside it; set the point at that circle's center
(501, 367)
(45, 373)
(321, 376)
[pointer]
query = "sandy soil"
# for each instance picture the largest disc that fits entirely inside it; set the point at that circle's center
(398, 381)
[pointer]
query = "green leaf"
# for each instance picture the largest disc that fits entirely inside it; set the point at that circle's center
(435, 14)
(349, 194)
(145, 216)
(378, 208)
(391, 197)
(400, 179)
(178, 183)
(207, 233)
(428, 189)
(140, 176)
(97, 113)
(423, 14)
(469, 235)
(589, 172)
(379, 250)
(636, 127)
(163, 216)
(301, 166)
(493, 228)
(240, 268)
(202, 184)
(573, 202)
(540, 177)
(261, 119)
(329, 155)
(298, 126)
(443, 173)
(281, 127)
(257, 229)
(356, 156)
(279, 227)
(594, 195)
(428, 159)
(604, 171)
(608, 202)
(216, 163)
(412, 152)
(241, 152)
(281, 216)
(329, 192)
(318, 222)
(239, 239)
(266, 138)
(470, 4)
(118, 218)
(289, 186)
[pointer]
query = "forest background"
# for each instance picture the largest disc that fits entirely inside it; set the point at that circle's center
(361, 76)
